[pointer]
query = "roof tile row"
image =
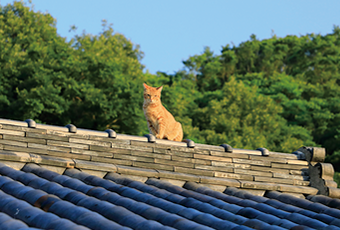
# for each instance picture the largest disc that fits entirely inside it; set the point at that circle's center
(77, 198)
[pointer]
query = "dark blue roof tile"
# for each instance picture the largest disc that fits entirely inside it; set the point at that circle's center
(317, 207)
(75, 173)
(290, 199)
(285, 223)
(175, 198)
(304, 220)
(271, 210)
(231, 190)
(76, 185)
(13, 207)
(4, 180)
(301, 227)
(94, 180)
(26, 178)
(198, 196)
(257, 224)
(45, 219)
(102, 183)
(11, 186)
(273, 194)
(97, 192)
(165, 185)
(336, 222)
(244, 194)
(12, 224)
(137, 185)
(63, 224)
(193, 186)
(62, 193)
(118, 178)
(231, 199)
(320, 199)
(126, 202)
(190, 203)
(34, 195)
(214, 222)
(61, 179)
(268, 218)
(331, 227)
(290, 208)
(247, 203)
(4, 217)
(161, 193)
(233, 208)
(51, 187)
(46, 201)
(61, 208)
(138, 209)
(189, 213)
(4, 169)
(111, 197)
(37, 183)
(275, 203)
(30, 167)
(116, 213)
(302, 203)
(145, 188)
(307, 213)
(213, 193)
(217, 203)
(92, 203)
(96, 221)
(74, 197)
(28, 215)
(225, 215)
(151, 226)
(333, 212)
(165, 205)
(324, 218)
(131, 193)
(14, 174)
(153, 213)
(47, 174)
(334, 203)
(208, 208)
(144, 197)
(101, 203)
(242, 227)
(250, 213)
(259, 199)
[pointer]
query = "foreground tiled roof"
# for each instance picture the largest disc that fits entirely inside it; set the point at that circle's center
(67, 178)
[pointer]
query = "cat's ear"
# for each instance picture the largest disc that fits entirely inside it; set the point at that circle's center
(159, 88)
(145, 86)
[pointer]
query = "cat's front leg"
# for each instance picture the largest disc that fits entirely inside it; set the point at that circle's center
(152, 129)
(161, 130)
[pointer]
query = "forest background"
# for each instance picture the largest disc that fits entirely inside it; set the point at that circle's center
(278, 93)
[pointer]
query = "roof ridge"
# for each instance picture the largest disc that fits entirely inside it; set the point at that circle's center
(99, 152)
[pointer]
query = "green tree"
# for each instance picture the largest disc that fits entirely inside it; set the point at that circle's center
(92, 81)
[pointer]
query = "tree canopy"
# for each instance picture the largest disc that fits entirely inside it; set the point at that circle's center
(278, 93)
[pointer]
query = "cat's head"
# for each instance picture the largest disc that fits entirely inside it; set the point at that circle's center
(152, 95)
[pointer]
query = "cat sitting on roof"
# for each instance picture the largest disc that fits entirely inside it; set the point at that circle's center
(161, 123)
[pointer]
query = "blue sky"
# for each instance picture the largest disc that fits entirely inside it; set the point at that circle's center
(169, 32)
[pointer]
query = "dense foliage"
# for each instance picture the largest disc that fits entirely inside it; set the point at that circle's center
(278, 93)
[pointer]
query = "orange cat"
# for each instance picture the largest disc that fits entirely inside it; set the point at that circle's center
(160, 121)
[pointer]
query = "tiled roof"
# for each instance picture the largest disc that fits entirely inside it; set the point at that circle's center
(76, 200)
(67, 178)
